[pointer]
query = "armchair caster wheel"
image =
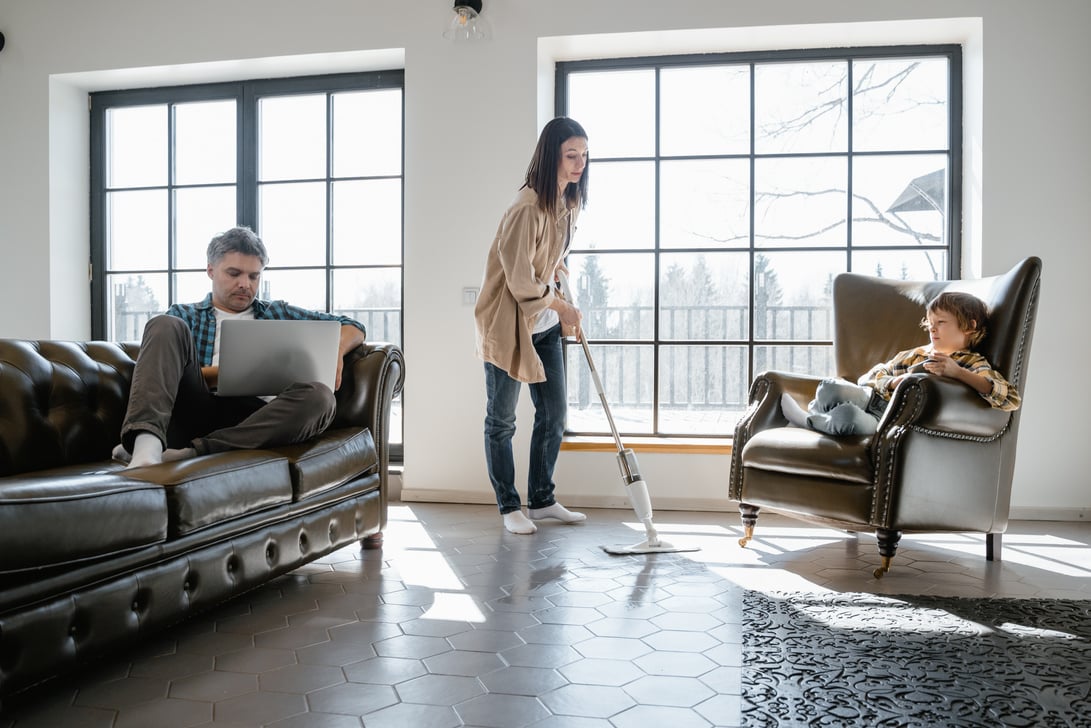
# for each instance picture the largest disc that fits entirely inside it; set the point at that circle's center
(882, 568)
(743, 541)
(747, 534)
(878, 573)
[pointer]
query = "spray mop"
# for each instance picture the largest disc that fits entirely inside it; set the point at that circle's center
(635, 486)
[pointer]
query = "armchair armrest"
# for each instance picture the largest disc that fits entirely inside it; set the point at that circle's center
(942, 407)
(764, 412)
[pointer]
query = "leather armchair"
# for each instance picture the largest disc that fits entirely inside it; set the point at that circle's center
(942, 459)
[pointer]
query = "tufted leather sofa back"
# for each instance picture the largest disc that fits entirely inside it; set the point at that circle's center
(61, 402)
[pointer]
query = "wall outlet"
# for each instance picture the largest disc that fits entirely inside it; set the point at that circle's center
(469, 296)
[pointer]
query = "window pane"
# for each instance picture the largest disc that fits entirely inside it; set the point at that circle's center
(614, 292)
(292, 137)
(617, 110)
(133, 299)
(204, 142)
(293, 223)
(702, 389)
(704, 203)
(627, 375)
(800, 201)
(367, 133)
(136, 146)
(900, 104)
(136, 230)
(367, 222)
(372, 296)
(913, 265)
(816, 361)
(200, 213)
(899, 199)
(704, 110)
(801, 107)
(792, 295)
(193, 287)
(704, 296)
(622, 211)
(305, 288)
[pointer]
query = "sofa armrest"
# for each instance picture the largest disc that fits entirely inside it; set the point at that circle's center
(372, 377)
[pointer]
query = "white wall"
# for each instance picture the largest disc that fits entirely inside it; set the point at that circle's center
(472, 115)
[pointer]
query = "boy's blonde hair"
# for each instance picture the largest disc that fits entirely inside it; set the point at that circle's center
(970, 311)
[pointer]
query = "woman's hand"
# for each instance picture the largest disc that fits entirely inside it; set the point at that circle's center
(571, 318)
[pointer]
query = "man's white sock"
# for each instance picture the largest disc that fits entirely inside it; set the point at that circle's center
(147, 450)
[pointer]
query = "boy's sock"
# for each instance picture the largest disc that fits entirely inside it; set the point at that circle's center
(793, 412)
(517, 523)
(147, 450)
(556, 511)
(832, 392)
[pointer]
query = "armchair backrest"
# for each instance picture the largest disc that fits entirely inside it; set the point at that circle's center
(874, 318)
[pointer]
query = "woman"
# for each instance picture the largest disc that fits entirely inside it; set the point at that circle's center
(521, 318)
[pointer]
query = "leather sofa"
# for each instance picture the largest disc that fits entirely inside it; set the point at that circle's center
(93, 556)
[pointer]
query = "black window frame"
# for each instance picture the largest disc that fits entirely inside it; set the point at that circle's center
(954, 153)
(246, 94)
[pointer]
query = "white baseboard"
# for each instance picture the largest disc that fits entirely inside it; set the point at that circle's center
(1036, 513)
(425, 495)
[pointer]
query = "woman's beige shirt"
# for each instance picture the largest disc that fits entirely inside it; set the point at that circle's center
(518, 284)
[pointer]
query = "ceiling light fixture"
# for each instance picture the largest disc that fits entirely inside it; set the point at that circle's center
(466, 23)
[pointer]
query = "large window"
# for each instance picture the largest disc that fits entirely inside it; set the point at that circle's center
(726, 192)
(313, 165)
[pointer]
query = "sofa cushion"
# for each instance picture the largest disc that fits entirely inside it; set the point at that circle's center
(68, 515)
(329, 460)
(212, 488)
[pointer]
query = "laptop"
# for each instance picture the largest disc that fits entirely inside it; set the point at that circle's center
(263, 357)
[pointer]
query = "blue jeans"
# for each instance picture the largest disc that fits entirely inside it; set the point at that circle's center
(550, 404)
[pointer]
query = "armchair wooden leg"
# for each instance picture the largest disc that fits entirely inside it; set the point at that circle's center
(749, 515)
(993, 542)
(374, 541)
(888, 546)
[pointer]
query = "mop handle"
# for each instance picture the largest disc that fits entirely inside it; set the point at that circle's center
(591, 364)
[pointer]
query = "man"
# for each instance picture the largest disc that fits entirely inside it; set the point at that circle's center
(173, 413)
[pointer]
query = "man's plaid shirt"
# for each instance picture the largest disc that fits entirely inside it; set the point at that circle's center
(201, 319)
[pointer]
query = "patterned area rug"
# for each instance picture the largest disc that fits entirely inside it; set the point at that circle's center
(867, 660)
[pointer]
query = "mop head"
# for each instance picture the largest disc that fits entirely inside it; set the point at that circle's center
(642, 505)
(646, 547)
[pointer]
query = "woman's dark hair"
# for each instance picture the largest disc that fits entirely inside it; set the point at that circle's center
(542, 170)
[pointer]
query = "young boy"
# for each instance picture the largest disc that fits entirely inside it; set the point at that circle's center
(955, 323)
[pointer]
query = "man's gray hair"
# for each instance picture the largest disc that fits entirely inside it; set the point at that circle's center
(237, 240)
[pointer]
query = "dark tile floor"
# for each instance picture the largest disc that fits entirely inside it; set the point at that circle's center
(458, 623)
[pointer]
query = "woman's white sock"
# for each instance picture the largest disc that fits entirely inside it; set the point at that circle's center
(516, 522)
(556, 511)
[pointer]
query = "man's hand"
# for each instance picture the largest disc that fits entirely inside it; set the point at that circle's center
(351, 337)
(212, 376)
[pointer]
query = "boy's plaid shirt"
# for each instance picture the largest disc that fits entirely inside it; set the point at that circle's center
(1003, 395)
